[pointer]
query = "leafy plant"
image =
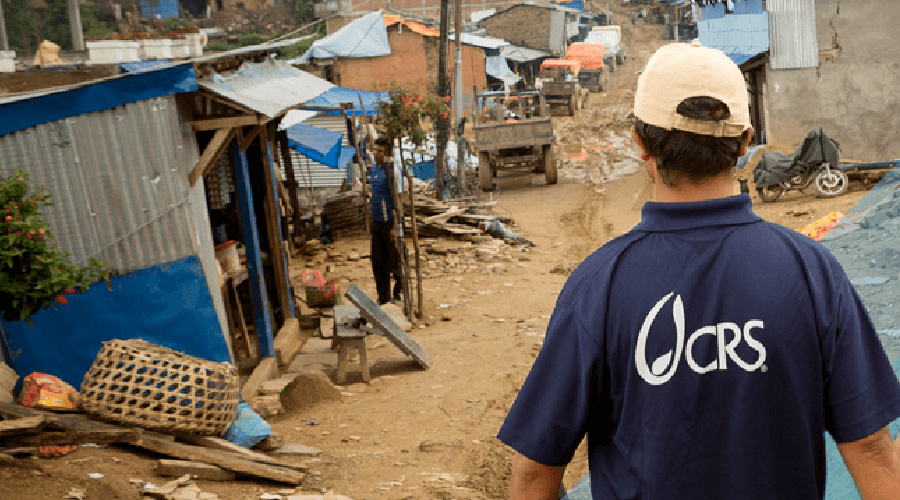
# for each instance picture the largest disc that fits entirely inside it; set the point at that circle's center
(173, 23)
(402, 114)
(33, 275)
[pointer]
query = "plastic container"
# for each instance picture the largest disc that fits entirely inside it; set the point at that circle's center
(227, 255)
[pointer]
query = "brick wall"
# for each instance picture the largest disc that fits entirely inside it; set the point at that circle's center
(509, 25)
(412, 65)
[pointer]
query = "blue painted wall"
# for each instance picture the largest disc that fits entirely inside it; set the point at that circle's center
(164, 8)
(168, 305)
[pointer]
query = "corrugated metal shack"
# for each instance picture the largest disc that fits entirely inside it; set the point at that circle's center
(122, 158)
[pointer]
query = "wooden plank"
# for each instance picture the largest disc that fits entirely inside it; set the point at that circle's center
(226, 122)
(197, 470)
(291, 181)
(217, 443)
(74, 429)
(266, 370)
(273, 217)
(210, 154)
(369, 310)
(27, 425)
(248, 138)
(223, 459)
(454, 210)
(287, 342)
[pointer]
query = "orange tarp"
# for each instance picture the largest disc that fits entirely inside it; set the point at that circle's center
(590, 55)
(390, 20)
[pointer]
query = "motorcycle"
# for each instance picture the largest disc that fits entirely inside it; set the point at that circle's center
(815, 162)
(828, 181)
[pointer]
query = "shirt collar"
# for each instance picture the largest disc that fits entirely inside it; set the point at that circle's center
(729, 211)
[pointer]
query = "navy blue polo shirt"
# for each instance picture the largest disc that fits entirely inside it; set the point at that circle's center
(704, 353)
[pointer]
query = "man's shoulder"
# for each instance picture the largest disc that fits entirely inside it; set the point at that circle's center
(601, 262)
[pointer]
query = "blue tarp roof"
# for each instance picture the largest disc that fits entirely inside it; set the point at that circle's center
(335, 96)
(363, 37)
(323, 146)
(573, 4)
(25, 110)
(739, 37)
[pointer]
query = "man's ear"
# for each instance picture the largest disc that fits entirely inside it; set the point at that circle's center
(745, 141)
(637, 140)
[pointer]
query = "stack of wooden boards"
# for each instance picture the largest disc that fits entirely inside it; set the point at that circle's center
(25, 429)
(345, 215)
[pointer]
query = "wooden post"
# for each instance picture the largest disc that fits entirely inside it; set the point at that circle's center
(276, 248)
(415, 232)
(251, 243)
(398, 230)
(365, 171)
(289, 172)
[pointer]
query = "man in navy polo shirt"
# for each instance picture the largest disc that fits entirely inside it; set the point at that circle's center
(384, 255)
(705, 352)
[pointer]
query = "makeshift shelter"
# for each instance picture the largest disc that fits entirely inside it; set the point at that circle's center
(122, 158)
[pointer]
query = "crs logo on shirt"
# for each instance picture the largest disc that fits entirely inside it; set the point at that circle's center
(663, 368)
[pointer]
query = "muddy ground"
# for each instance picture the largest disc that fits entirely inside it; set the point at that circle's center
(416, 434)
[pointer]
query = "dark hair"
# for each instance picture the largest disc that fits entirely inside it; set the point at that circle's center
(688, 156)
(381, 141)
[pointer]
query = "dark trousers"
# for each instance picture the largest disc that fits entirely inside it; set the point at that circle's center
(385, 262)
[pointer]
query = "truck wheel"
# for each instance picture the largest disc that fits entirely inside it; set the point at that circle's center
(572, 105)
(549, 164)
(612, 64)
(620, 59)
(486, 179)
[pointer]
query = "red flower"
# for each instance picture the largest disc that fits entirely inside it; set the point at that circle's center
(447, 99)
(8, 217)
(444, 115)
(61, 300)
(69, 290)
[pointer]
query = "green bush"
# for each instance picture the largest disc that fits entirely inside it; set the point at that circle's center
(173, 23)
(251, 38)
(33, 275)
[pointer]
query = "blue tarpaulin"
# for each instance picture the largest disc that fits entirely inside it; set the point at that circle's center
(713, 11)
(573, 4)
(323, 146)
(363, 37)
(739, 37)
(333, 98)
(748, 7)
(168, 305)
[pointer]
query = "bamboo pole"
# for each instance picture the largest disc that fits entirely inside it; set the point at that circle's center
(398, 233)
(364, 170)
(415, 232)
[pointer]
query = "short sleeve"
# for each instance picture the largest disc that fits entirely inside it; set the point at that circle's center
(549, 417)
(862, 393)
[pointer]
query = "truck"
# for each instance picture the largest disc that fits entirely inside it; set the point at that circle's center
(592, 74)
(558, 81)
(513, 131)
(611, 38)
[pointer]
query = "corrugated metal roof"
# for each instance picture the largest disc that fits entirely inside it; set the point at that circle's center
(270, 87)
(480, 41)
(793, 34)
(521, 54)
(118, 182)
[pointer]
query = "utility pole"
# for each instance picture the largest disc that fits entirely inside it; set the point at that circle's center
(458, 99)
(74, 25)
(674, 21)
(440, 159)
(4, 41)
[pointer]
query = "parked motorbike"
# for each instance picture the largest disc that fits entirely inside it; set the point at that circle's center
(815, 162)
(828, 181)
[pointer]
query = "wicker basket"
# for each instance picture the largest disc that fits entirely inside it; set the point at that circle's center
(138, 383)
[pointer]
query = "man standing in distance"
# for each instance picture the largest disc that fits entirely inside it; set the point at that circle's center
(385, 261)
(705, 352)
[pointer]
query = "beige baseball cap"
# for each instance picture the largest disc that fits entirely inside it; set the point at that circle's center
(679, 71)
